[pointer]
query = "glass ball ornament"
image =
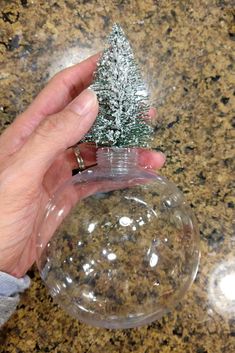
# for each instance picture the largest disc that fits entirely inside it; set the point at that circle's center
(118, 246)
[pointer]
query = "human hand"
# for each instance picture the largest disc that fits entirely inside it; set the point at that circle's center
(36, 158)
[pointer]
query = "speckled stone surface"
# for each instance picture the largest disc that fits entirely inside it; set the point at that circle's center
(186, 52)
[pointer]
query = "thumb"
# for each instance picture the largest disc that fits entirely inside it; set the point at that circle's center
(58, 132)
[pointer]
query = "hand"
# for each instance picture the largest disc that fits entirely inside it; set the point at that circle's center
(36, 158)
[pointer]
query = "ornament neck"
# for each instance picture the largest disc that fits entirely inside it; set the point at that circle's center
(118, 160)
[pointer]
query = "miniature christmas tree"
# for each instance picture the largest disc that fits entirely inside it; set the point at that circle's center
(122, 95)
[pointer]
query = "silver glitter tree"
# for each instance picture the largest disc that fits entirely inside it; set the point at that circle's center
(122, 95)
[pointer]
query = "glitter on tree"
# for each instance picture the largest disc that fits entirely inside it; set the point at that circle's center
(122, 95)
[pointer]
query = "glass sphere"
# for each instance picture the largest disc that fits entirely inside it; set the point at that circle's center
(125, 246)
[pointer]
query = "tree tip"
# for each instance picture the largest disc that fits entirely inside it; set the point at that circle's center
(116, 30)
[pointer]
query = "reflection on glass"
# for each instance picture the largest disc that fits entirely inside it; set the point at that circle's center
(222, 288)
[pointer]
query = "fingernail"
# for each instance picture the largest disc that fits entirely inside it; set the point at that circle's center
(84, 103)
(162, 155)
(161, 158)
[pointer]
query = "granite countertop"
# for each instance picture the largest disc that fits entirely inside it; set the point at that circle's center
(186, 52)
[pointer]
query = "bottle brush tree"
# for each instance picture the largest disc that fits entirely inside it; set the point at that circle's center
(122, 96)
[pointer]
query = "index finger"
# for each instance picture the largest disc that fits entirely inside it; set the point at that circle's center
(58, 93)
(63, 88)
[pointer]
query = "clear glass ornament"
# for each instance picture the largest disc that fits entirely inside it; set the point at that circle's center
(125, 247)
